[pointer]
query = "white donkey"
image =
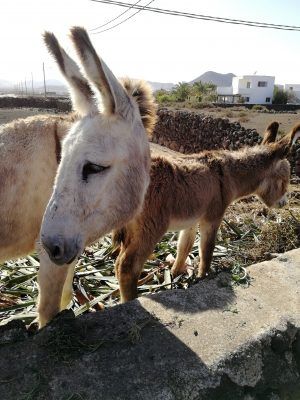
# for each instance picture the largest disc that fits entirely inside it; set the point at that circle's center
(102, 177)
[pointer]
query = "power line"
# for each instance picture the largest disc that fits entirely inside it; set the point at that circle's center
(202, 17)
(141, 8)
(117, 17)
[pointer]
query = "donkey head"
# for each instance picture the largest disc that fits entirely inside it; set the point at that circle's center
(104, 170)
(274, 186)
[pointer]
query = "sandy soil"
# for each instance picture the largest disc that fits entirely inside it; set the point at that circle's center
(256, 120)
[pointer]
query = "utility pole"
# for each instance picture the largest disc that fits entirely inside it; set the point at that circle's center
(44, 80)
(25, 86)
(32, 84)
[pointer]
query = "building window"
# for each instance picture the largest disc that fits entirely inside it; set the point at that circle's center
(248, 85)
(268, 99)
(291, 88)
(247, 99)
(262, 84)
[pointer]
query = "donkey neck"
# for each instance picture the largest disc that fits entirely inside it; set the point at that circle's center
(244, 170)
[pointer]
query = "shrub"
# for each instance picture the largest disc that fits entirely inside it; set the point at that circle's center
(243, 119)
(279, 96)
(257, 107)
(163, 96)
(181, 91)
(229, 114)
(199, 105)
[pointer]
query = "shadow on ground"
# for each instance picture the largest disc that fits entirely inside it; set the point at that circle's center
(178, 345)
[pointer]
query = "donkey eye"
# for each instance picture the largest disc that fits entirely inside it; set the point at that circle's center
(90, 168)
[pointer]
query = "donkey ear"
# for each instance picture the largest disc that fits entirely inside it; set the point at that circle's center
(115, 98)
(271, 133)
(282, 147)
(295, 134)
(80, 90)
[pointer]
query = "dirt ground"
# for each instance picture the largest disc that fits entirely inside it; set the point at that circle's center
(256, 120)
(9, 114)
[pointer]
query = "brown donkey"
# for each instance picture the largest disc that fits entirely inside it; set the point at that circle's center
(103, 174)
(187, 190)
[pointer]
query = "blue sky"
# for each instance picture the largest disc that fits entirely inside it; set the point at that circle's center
(156, 47)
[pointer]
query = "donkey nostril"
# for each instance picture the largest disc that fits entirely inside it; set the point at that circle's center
(56, 252)
(54, 249)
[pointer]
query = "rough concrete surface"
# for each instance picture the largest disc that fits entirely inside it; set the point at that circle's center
(212, 341)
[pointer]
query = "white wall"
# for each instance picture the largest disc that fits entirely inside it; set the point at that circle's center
(293, 88)
(256, 94)
(223, 90)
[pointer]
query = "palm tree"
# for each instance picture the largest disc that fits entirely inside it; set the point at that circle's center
(182, 91)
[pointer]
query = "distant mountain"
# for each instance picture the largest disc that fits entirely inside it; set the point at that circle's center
(159, 85)
(215, 78)
(54, 85)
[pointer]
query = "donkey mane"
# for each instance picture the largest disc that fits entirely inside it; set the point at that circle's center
(142, 93)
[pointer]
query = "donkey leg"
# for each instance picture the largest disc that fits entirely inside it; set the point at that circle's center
(184, 246)
(67, 293)
(51, 279)
(129, 268)
(131, 260)
(208, 232)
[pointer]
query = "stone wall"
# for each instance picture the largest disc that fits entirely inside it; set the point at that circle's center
(56, 103)
(190, 132)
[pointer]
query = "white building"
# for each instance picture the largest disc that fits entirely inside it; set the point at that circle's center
(251, 89)
(293, 89)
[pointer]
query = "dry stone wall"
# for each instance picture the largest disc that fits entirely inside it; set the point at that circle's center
(190, 132)
(55, 103)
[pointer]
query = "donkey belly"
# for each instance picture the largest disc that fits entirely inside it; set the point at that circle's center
(22, 204)
(181, 224)
(20, 229)
(17, 249)
(28, 164)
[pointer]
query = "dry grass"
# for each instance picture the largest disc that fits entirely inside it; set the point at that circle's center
(255, 119)
(243, 119)
(249, 233)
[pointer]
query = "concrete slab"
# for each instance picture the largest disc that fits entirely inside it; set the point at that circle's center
(212, 341)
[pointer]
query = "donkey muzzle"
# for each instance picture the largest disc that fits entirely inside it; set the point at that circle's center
(60, 251)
